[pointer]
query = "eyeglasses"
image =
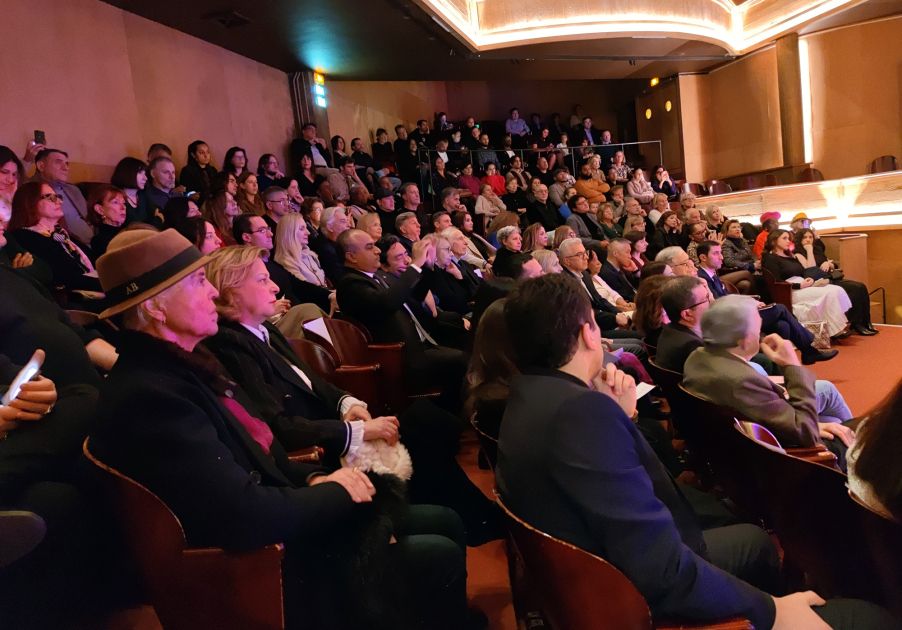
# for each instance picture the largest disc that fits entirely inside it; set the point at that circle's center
(707, 300)
(262, 230)
(688, 261)
(281, 202)
(52, 197)
(578, 255)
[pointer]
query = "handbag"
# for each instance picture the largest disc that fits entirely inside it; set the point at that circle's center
(819, 330)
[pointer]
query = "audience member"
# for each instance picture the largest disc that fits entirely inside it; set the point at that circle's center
(638, 188)
(12, 173)
(294, 255)
(220, 210)
(589, 187)
(106, 214)
(736, 251)
(619, 271)
(249, 200)
(479, 250)
(334, 221)
(371, 224)
(235, 162)
(770, 221)
(710, 262)
(160, 188)
(277, 204)
(662, 183)
(197, 175)
(345, 179)
(269, 173)
(666, 234)
(307, 178)
(52, 168)
(311, 145)
(638, 247)
(201, 233)
(488, 203)
(407, 228)
(541, 210)
(649, 317)
(534, 237)
(632, 210)
(603, 288)
(130, 176)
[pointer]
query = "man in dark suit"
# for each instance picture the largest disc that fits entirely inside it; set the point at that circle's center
(382, 308)
(593, 481)
(333, 222)
(612, 269)
(775, 318)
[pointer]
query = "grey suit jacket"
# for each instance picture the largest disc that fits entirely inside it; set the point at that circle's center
(729, 381)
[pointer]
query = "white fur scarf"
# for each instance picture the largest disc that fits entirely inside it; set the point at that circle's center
(380, 457)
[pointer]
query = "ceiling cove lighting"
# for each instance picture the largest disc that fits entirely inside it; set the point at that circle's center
(491, 24)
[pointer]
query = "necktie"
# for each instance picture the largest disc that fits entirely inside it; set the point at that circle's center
(421, 331)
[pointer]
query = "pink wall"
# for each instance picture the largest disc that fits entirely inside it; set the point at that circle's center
(104, 83)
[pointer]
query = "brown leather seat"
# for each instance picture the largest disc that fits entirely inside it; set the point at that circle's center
(579, 590)
(192, 588)
(360, 380)
(717, 187)
(780, 291)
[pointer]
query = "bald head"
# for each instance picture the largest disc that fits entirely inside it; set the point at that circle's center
(359, 250)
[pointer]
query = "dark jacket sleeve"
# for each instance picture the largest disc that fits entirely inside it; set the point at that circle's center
(169, 444)
(600, 470)
(367, 302)
(293, 431)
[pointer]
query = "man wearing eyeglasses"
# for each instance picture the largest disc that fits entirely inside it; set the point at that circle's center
(275, 198)
(52, 167)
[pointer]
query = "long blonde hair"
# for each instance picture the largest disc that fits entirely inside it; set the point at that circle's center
(290, 252)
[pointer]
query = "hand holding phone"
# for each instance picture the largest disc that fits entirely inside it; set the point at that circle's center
(31, 370)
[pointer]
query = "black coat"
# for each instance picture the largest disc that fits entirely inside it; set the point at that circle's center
(162, 424)
(544, 213)
(675, 344)
(298, 415)
(296, 290)
(605, 312)
(450, 293)
(330, 259)
(573, 464)
(618, 280)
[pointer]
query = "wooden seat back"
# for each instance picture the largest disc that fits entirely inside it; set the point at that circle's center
(577, 589)
(780, 292)
(360, 380)
(811, 175)
(191, 587)
(883, 164)
(809, 509)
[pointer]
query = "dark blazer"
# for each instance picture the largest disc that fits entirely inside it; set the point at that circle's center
(200, 179)
(618, 280)
(295, 289)
(164, 426)
(544, 213)
(571, 463)
(301, 146)
(330, 259)
(605, 312)
(450, 293)
(715, 285)
(675, 344)
(298, 415)
(67, 272)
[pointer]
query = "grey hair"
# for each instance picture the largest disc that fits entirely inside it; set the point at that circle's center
(619, 243)
(329, 214)
(403, 218)
(567, 245)
(667, 254)
(504, 233)
(451, 233)
(728, 321)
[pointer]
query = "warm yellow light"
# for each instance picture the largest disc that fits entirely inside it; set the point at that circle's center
(648, 114)
(319, 79)
(654, 81)
(668, 106)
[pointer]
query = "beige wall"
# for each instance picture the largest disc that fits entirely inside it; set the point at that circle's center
(731, 118)
(114, 83)
(856, 94)
(357, 108)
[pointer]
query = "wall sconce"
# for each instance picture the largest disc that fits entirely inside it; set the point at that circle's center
(668, 106)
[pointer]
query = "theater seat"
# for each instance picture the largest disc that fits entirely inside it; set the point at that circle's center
(883, 164)
(811, 175)
(359, 380)
(189, 587)
(717, 187)
(780, 292)
(577, 589)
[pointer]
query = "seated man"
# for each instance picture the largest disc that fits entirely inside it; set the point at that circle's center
(631, 208)
(172, 419)
(612, 271)
(722, 373)
(575, 263)
(593, 481)
(407, 226)
(381, 307)
(333, 222)
(775, 318)
(51, 166)
(344, 180)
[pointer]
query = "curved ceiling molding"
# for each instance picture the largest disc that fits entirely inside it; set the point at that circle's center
(492, 24)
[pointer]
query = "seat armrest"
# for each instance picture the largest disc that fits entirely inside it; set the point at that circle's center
(362, 381)
(310, 455)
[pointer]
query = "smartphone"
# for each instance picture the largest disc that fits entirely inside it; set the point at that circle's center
(31, 369)
(39, 137)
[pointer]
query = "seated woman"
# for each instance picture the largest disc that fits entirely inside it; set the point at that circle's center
(293, 253)
(312, 211)
(714, 218)
(659, 205)
(649, 317)
(199, 173)
(35, 225)
(518, 173)
(662, 183)
(638, 247)
(479, 250)
(513, 198)
(442, 178)
(810, 303)
(562, 234)
(504, 219)
(534, 238)
(621, 168)
(873, 462)
(202, 444)
(609, 225)
(106, 213)
(177, 210)
(493, 179)
(469, 181)
(638, 188)
(249, 199)
(201, 233)
(371, 224)
(451, 291)
(816, 265)
(308, 180)
(221, 210)
(488, 204)
(548, 259)
(295, 198)
(668, 233)
(130, 176)
(510, 242)
(736, 251)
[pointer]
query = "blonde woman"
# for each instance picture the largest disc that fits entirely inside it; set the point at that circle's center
(549, 261)
(293, 253)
